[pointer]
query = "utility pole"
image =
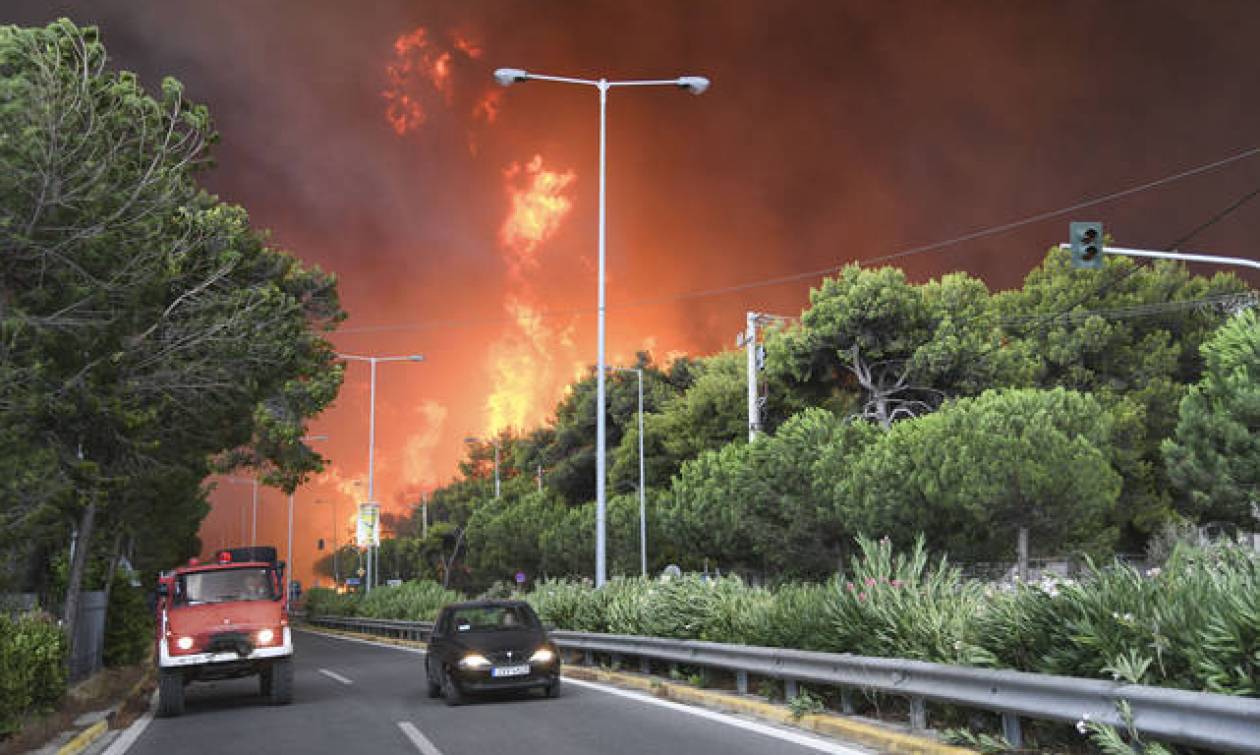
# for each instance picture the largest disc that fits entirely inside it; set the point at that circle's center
(756, 362)
(424, 515)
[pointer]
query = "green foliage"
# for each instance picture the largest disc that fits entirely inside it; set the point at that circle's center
(892, 605)
(322, 601)
(128, 624)
(410, 601)
(32, 667)
(1193, 624)
(1110, 741)
(973, 473)
(805, 703)
(1215, 456)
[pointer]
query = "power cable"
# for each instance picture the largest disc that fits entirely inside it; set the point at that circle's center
(916, 250)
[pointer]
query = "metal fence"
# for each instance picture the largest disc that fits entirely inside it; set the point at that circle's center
(1218, 722)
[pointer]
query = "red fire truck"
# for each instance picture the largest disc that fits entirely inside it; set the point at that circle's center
(224, 619)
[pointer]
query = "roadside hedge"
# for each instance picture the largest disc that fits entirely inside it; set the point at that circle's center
(32, 667)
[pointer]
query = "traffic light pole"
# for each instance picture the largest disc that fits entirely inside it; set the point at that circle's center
(1211, 259)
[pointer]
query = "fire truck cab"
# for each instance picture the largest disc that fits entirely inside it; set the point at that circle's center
(224, 619)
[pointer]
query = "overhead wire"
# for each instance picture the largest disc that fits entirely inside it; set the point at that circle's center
(911, 251)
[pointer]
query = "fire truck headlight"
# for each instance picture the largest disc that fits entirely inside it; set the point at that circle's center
(266, 636)
(184, 643)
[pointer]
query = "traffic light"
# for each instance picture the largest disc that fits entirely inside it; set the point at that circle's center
(1087, 244)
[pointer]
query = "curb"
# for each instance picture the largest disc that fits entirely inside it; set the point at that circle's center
(84, 739)
(831, 725)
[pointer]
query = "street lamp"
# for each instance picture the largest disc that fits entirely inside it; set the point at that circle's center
(642, 474)
(253, 530)
(693, 84)
(372, 433)
(288, 572)
(495, 441)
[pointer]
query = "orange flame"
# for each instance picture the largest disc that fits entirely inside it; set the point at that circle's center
(466, 46)
(538, 205)
(487, 108)
(416, 61)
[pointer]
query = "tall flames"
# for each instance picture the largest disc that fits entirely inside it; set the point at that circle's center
(524, 363)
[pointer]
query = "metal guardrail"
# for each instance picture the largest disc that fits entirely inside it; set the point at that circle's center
(1219, 722)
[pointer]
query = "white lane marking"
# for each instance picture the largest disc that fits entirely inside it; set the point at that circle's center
(804, 740)
(362, 641)
(335, 675)
(133, 732)
(421, 742)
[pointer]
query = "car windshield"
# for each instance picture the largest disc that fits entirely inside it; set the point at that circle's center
(493, 618)
(225, 585)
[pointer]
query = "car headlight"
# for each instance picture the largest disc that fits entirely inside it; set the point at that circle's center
(266, 636)
(542, 655)
(184, 643)
(474, 660)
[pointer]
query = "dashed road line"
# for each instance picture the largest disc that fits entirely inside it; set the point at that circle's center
(421, 742)
(336, 676)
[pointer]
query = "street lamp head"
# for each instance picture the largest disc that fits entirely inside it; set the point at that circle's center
(509, 76)
(693, 84)
(416, 358)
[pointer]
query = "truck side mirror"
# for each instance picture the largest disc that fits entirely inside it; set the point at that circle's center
(163, 590)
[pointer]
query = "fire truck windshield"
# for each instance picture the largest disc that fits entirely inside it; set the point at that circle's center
(224, 585)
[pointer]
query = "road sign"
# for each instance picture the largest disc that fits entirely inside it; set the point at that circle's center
(362, 571)
(352, 581)
(520, 578)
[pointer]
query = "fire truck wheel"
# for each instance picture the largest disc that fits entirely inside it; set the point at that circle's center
(277, 682)
(170, 693)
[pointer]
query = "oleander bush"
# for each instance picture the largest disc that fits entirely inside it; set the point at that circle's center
(324, 601)
(418, 600)
(32, 667)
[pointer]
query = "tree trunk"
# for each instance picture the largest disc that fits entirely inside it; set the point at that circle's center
(78, 566)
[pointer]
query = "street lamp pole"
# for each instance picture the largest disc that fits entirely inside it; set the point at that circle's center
(372, 360)
(253, 533)
(288, 572)
(695, 85)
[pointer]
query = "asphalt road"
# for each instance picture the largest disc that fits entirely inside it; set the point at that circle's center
(355, 697)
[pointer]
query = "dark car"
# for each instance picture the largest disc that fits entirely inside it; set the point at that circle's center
(489, 646)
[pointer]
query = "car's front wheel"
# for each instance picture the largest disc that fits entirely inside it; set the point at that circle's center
(553, 689)
(435, 688)
(451, 691)
(170, 693)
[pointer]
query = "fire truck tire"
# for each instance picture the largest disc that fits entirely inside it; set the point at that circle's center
(170, 693)
(277, 682)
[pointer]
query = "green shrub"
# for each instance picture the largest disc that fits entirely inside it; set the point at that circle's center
(128, 624)
(573, 605)
(32, 667)
(418, 600)
(893, 606)
(324, 601)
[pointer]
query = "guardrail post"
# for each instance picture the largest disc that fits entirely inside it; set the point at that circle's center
(645, 664)
(789, 689)
(588, 658)
(741, 682)
(846, 701)
(614, 661)
(918, 713)
(1011, 731)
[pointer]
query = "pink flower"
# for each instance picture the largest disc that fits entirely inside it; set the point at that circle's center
(870, 582)
(861, 596)
(849, 585)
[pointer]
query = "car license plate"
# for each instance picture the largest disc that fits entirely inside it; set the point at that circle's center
(521, 670)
